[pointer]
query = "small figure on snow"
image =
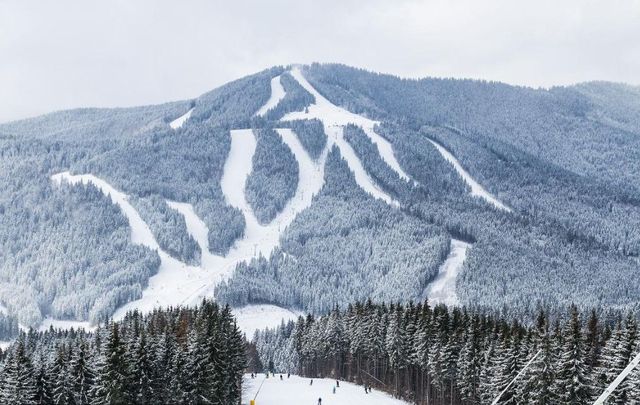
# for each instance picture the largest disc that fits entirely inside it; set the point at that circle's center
(288, 375)
(319, 401)
(280, 377)
(337, 383)
(311, 383)
(334, 390)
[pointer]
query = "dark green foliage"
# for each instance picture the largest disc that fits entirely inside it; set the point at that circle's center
(453, 356)
(169, 356)
(274, 177)
(311, 135)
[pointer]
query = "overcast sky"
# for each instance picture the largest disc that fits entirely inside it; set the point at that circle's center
(73, 53)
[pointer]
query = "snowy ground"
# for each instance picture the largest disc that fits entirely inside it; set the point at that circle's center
(334, 119)
(297, 391)
(442, 290)
(277, 94)
(259, 317)
(179, 122)
(476, 189)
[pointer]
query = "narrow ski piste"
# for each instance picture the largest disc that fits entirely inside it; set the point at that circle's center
(334, 119)
(277, 94)
(476, 189)
(179, 122)
(442, 290)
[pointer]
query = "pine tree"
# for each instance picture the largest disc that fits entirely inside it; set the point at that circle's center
(141, 371)
(112, 382)
(572, 383)
(62, 387)
(19, 384)
(44, 386)
(82, 375)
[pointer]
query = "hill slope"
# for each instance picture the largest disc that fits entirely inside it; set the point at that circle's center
(310, 187)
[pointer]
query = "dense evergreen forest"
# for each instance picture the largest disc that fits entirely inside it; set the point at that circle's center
(177, 356)
(440, 355)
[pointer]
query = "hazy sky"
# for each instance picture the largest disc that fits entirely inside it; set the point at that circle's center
(73, 53)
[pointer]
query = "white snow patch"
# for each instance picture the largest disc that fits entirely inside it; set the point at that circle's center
(476, 189)
(296, 390)
(277, 94)
(179, 122)
(258, 317)
(442, 290)
(65, 324)
(334, 119)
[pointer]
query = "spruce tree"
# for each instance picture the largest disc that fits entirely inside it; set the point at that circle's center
(572, 383)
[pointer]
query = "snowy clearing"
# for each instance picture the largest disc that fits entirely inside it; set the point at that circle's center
(65, 324)
(179, 122)
(442, 290)
(277, 94)
(334, 119)
(297, 391)
(476, 189)
(259, 317)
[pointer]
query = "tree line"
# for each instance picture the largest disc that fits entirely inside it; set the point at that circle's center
(440, 355)
(176, 355)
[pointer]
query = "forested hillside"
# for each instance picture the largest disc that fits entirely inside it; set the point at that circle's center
(360, 199)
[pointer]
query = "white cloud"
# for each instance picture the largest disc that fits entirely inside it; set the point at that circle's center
(72, 53)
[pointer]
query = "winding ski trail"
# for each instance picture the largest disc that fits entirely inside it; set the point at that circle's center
(476, 189)
(277, 94)
(334, 119)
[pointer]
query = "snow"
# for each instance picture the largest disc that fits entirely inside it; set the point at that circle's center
(442, 290)
(297, 391)
(259, 317)
(65, 324)
(476, 189)
(179, 122)
(334, 119)
(277, 94)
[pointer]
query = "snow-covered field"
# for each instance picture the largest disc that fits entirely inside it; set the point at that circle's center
(297, 391)
(277, 94)
(259, 317)
(179, 122)
(442, 290)
(476, 189)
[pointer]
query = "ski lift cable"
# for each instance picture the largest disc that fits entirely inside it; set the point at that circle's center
(495, 401)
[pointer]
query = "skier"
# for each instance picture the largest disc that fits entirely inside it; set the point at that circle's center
(334, 390)
(280, 377)
(337, 383)
(311, 383)
(288, 375)
(319, 401)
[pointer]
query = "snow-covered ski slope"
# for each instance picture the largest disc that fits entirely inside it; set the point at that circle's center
(296, 390)
(334, 119)
(476, 189)
(261, 316)
(179, 122)
(178, 283)
(442, 290)
(277, 94)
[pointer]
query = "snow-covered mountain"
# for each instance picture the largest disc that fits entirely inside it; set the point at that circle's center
(305, 187)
